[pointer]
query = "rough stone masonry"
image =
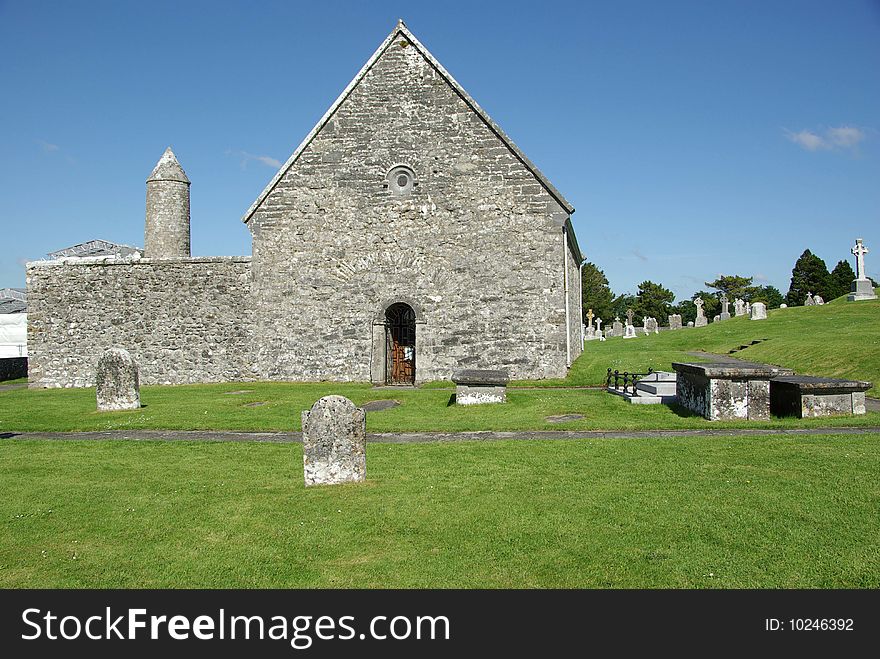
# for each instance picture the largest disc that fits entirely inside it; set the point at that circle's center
(406, 195)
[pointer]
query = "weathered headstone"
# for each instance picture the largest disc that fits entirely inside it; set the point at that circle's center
(862, 288)
(739, 307)
(674, 321)
(748, 308)
(759, 311)
(334, 442)
(617, 327)
(716, 318)
(783, 306)
(117, 382)
(630, 332)
(809, 302)
(725, 311)
(651, 325)
(701, 319)
(690, 323)
(629, 316)
(818, 300)
(590, 331)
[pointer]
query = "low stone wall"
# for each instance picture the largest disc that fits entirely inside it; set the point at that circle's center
(183, 320)
(12, 368)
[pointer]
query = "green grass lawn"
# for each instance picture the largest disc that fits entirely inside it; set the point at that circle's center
(838, 339)
(765, 512)
(276, 407)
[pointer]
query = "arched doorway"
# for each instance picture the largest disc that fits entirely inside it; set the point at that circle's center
(400, 341)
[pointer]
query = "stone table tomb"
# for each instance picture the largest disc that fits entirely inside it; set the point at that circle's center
(807, 396)
(726, 391)
(478, 387)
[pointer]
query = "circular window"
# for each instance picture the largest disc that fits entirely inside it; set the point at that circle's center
(401, 180)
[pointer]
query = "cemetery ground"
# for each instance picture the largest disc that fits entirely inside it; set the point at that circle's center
(764, 511)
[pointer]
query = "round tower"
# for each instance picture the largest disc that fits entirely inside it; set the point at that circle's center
(166, 234)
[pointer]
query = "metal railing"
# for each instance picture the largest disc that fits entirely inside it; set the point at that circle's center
(628, 379)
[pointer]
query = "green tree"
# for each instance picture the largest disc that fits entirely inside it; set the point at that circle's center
(769, 295)
(735, 287)
(595, 293)
(686, 309)
(621, 303)
(653, 300)
(841, 280)
(809, 275)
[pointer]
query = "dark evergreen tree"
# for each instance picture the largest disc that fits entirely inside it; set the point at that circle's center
(769, 295)
(621, 303)
(653, 300)
(595, 293)
(735, 287)
(809, 275)
(841, 280)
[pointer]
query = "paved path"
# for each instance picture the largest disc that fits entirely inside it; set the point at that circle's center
(14, 385)
(420, 437)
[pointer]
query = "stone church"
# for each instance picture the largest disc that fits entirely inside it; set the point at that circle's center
(407, 236)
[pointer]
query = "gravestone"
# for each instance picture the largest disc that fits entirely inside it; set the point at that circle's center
(675, 321)
(759, 311)
(690, 323)
(617, 327)
(629, 316)
(862, 288)
(783, 306)
(748, 308)
(590, 333)
(715, 319)
(630, 332)
(809, 302)
(817, 299)
(701, 319)
(725, 311)
(334, 442)
(116, 381)
(651, 325)
(739, 307)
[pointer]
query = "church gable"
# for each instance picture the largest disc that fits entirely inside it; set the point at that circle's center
(403, 110)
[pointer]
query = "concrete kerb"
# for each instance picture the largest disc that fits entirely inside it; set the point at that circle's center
(425, 437)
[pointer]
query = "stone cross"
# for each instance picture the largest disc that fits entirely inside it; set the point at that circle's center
(701, 318)
(590, 318)
(725, 311)
(334, 442)
(598, 324)
(809, 302)
(699, 303)
(629, 316)
(859, 251)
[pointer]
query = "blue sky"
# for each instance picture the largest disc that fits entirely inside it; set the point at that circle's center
(693, 138)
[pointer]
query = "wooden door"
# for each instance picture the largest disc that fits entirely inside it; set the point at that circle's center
(401, 328)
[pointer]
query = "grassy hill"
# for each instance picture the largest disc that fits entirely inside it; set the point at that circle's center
(838, 339)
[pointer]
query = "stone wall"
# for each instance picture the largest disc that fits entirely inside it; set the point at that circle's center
(477, 246)
(183, 320)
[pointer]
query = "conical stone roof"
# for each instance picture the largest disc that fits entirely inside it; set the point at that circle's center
(168, 169)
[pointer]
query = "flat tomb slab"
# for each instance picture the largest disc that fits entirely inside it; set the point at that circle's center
(480, 386)
(809, 396)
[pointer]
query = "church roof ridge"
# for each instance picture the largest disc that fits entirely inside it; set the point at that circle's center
(401, 28)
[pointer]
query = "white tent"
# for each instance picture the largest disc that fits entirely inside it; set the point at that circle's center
(13, 335)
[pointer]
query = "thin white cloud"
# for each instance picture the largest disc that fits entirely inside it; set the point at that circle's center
(246, 157)
(48, 147)
(839, 137)
(845, 136)
(760, 277)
